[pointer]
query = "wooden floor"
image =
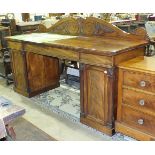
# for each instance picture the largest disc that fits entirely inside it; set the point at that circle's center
(26, 131)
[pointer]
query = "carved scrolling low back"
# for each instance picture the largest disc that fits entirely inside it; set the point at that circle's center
(91, 27)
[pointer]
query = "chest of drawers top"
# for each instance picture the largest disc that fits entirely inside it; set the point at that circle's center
(141, 63)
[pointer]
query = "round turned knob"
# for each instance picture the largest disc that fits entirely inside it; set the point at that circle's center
(141, 102)
(105, 72)
(142, 83)
(141, 121)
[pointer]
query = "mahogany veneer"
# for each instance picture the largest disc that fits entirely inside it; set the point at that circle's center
(96, 44)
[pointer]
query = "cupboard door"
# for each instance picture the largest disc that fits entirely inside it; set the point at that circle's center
(51, 71)
(43, 72)
(97, 96)
(35, 69)
(18, 68)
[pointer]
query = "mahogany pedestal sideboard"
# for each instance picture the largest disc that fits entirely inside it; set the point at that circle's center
(136, 99)
(97, 45)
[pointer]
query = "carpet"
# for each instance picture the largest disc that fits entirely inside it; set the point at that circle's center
(26, 131)
(64, 99)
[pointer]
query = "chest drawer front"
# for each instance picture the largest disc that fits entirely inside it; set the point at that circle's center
(139, 99)
(138, 120)
(139, 80)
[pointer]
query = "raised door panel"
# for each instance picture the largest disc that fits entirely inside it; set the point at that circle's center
(18, 67)
(51, 71)
(35, 69)
(97, 93)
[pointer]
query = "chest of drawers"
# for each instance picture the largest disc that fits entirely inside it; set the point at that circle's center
(136, 98)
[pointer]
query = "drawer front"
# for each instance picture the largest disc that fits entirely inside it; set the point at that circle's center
(51, 51)
(95, 59)
(139, 80)
(138, 120)
(139, 99)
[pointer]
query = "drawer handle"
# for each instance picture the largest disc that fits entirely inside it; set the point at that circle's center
(141, 121)
(142, 83)
(141, 102)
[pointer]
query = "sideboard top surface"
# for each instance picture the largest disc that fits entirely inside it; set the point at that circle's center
(94, 44)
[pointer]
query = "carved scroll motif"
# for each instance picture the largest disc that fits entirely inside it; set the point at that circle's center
(66, 26)
(141, 32)
(42, 28)
(92, 27)
(80, 26)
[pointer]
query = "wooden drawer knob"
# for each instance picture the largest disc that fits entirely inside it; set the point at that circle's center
(141, 121)
(142, 83)
(141, 102)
